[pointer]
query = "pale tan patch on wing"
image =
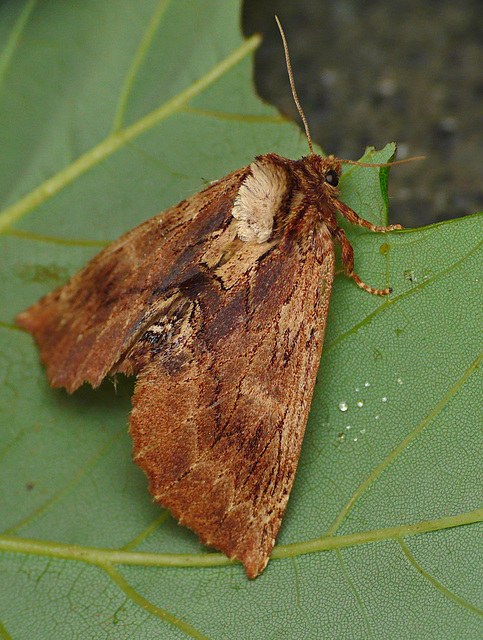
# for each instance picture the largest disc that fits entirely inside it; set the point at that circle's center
(258, 200)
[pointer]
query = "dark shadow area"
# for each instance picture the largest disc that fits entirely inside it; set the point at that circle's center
(113, 396)
(373, 72)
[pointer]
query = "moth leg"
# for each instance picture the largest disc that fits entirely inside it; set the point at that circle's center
(348, 262)
(353, 218)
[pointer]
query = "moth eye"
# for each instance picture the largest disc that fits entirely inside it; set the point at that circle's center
(332, 178)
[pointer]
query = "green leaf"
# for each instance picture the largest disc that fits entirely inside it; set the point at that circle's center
(109, 113)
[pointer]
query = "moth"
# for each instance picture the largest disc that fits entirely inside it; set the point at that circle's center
(218, 306)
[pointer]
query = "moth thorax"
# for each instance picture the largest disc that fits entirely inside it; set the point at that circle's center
(259, 199)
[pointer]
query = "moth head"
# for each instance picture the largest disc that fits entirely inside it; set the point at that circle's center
(318, 177)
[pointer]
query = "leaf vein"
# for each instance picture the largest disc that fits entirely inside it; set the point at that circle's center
(390, 301)
(75, 480)
(145, 604)
(438, 585)
(360, 606)
(137, 61)
(13, 40)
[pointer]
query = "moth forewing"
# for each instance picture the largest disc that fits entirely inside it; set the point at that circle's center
(223, 457)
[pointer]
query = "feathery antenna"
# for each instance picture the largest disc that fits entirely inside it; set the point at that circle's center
(292, 84)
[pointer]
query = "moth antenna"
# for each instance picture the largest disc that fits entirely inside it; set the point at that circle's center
(382, 164)
(292, 84)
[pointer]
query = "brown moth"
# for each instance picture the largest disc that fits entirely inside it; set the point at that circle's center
(218, 306)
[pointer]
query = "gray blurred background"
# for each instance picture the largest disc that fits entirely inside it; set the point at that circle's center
(370, 72)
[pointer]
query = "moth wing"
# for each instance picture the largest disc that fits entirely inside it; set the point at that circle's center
(218, 425)
(84, 328)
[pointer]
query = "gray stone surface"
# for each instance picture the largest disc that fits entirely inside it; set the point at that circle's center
(372, 72)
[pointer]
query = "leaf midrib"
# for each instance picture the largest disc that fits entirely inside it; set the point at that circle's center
(100, 557)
